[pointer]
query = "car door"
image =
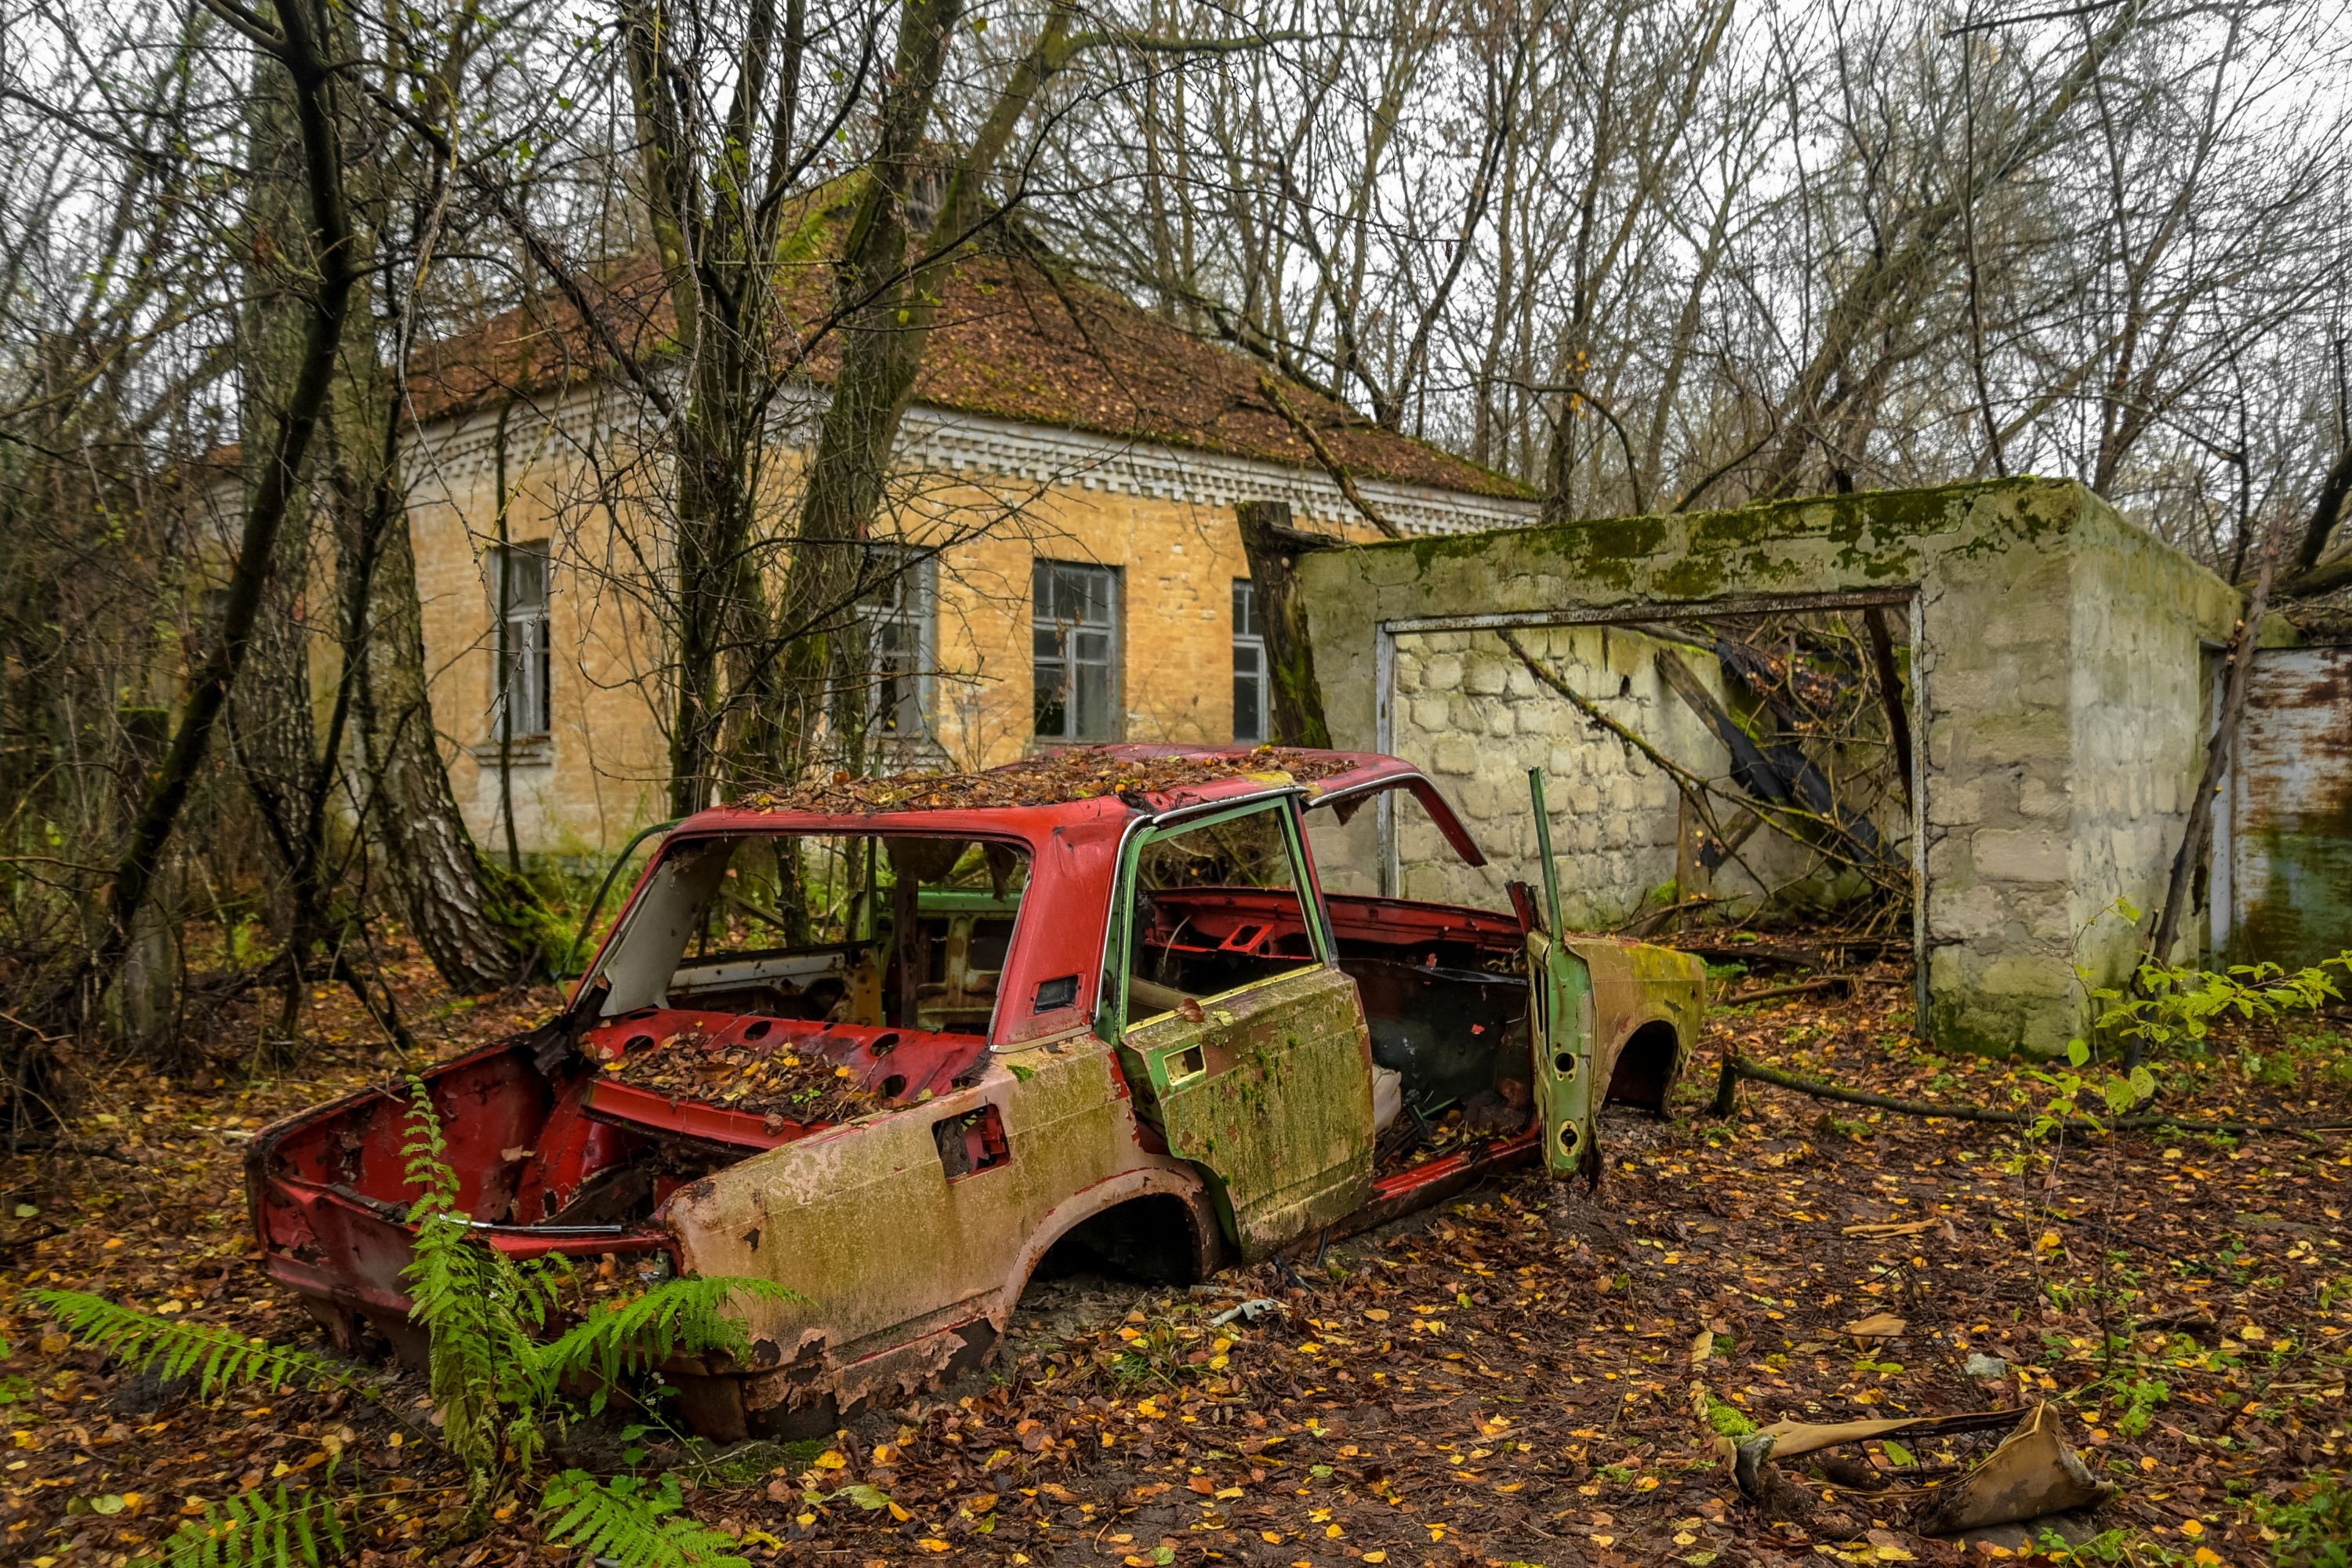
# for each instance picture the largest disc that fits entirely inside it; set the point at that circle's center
(1243, 1042)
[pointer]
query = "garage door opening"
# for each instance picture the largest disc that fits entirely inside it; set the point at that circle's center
(1748, 765)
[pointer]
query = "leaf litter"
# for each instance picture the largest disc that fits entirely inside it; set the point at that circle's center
(1529, 1375)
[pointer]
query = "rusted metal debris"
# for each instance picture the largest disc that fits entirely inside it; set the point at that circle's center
(2033, 1473)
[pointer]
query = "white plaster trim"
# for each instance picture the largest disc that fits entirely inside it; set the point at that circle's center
(950, 443)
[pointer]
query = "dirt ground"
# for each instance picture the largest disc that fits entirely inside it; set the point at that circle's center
(1531, 1374)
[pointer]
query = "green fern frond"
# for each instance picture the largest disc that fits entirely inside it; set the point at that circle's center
(425, 1153)
(478, 1309)
(637, 1529)
(215, 1358)
(263, 1529)
(677, 1317)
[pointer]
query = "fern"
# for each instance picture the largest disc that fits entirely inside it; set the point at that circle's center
(257, 1528)
(681, 1317)
(217, 1358)
(621, 1520)
(479, 1310)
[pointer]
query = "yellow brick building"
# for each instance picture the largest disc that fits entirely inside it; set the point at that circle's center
(1071, 467)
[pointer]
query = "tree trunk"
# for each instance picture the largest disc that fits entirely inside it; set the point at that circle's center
(58, 1000)
(482, 925)
(1272, 548)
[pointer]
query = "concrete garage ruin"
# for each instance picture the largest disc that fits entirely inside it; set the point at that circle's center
(2060, 663)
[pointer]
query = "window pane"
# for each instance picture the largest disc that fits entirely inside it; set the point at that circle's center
(1216, 908)
(523, 666)
(1074, 648)
(1091, 719)
(1249, 667)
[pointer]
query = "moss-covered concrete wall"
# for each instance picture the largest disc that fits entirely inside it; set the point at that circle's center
(2057, 648)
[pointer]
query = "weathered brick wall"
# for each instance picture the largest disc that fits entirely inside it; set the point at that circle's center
(2057, 672)
(1003, 494)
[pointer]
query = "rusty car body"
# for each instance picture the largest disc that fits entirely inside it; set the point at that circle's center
(1121, 1017)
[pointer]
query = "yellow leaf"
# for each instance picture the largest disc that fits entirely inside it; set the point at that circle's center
(832, 1459)
(900, 1514)
(2205, 1557)
(932, 1543)
(1332, 1530)
(1376, 1556)
(1271, 1537)
(2192, 1527)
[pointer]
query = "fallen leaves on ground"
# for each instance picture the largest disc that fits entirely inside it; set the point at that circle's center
(1527, 1374)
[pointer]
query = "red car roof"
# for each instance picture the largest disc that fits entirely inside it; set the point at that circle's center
(1076, 786)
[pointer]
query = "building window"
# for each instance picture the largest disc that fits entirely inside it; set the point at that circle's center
(1076, 630)
(521, 707)
(899, 617)
(1250, 721)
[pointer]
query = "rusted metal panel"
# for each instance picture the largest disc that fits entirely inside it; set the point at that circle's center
(2290, 848)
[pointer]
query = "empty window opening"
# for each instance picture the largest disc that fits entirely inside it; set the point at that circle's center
(887, 931)
(1215, 906)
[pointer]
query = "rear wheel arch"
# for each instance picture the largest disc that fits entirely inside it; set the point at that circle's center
(1144, 1200)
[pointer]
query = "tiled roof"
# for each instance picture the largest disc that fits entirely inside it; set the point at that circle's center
(1012, 340)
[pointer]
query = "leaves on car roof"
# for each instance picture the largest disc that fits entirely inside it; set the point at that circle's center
(1052, 778)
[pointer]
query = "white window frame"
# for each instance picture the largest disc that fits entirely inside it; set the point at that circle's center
(1065, 632)
(521, 637)
(1249, 645)
(914, 576)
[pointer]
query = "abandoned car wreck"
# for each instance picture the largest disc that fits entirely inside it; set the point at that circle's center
(1094, 1001)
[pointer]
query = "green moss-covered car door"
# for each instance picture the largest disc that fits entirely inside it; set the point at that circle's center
(1559, 992)
(1560, 985)
(1240, 1040)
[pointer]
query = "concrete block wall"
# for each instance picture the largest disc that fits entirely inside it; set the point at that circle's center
(2057, 663)
(1470, 713)
(2150, 627)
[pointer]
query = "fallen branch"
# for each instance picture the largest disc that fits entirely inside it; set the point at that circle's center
(1736, 1068)
(1801, 988)
(1326, 457)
